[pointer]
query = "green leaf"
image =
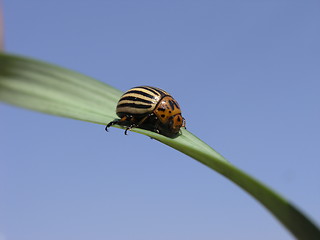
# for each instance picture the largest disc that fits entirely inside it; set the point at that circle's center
(54, 90)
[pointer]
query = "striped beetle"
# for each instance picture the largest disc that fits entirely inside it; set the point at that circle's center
(149, 108)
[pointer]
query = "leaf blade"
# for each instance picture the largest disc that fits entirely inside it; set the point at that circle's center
(50, 89)
(54, 90)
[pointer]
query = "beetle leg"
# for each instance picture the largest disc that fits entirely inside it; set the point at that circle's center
(135, 125)
(143, 120)
(128, 128)
(112, 123)
(116, 121)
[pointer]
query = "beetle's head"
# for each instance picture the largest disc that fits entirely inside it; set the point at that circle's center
(175, 123)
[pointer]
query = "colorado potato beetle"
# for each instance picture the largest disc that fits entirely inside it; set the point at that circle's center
(149, 108)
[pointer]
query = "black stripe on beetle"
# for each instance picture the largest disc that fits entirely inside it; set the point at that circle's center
(133, 105)
(153, 90)
(131, 98)
(139, 92)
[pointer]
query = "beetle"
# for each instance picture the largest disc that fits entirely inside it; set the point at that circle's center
(149, 108)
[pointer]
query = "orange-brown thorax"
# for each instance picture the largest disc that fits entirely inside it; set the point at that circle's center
(168, 112)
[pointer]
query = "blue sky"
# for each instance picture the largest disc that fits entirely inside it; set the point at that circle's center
(247, 77)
